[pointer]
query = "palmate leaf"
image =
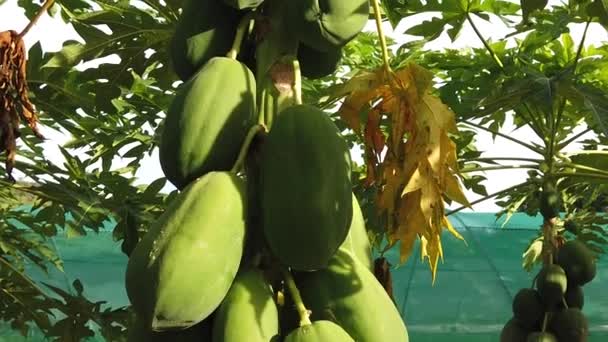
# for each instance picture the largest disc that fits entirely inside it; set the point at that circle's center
(413, 175)
(596, 102)
(452, 13)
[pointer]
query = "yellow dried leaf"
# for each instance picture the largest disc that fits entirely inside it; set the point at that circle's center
(420, 163)
(450, 228)
(453, 190)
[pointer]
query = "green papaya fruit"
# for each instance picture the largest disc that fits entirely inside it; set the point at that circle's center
(513, 332)
(347, 293)
(243, 4)
(528, 308)
(248, 313)
(569, 325)
(551, 285)
(316, 64)
(207, 121)
(306, 189)
(319, 331)
(205, 29)
(541, 337)
(181, 270)
(574, 296)
(550, 201)
(357, 240)
(327, 24)
(200, 332)
(577, 261)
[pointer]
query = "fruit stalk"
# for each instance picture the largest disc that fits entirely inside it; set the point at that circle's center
(297, 82)
(381, 35)
(240, 34)
(253, 131)
(297, 299)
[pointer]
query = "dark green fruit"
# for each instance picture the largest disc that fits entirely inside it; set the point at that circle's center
(549, 203)
(528, 308)
(316, 64)
(306, 189)
(574, 297)
(513, 332)
(207, 121)
(569, 325)
(577, 261)
(205, 29)
(319, 331)
(551, 285)
(327, 24)
(541, 337)
(571, 226)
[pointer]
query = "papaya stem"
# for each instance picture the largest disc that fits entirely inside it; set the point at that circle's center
(378, 19)
(297, 82)
(253, 131)
(297, 299)
(47, 4)
(548, 240)
(545, 321)
(241, 29)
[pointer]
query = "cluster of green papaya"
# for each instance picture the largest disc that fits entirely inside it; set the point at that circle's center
(552, 311)
(265, 223)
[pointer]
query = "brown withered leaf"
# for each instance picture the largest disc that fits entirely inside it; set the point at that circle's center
(14, 100)
(383, 275)
(414, 167)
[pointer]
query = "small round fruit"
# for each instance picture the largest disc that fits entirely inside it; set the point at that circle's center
(574, 297)
(577, 261)
(551, 285)
(549, 203)
(513, 332)
(569, 325)
(528, 308)
(538, 336)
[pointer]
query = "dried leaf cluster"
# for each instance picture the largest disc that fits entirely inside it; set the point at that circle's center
(14, 101)
(413, 164)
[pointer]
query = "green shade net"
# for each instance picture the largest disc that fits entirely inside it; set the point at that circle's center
(470, 300)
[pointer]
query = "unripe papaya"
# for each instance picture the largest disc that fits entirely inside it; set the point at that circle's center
(551, 284)
(319, 331)
(248, 313)
(541, 337)
(327, 24)
(550, 201)
(347, 293)
(569, 325)
(528, 308)
(513, 332)
(357, 240)
(317, 64)
(200, 332)
(181, 270)
(306, 190)
(577, 261)
(205, 29)
(207, 121)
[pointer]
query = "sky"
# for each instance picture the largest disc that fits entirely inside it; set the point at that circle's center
(52, 32)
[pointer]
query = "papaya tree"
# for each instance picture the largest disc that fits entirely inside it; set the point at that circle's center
(384, 97)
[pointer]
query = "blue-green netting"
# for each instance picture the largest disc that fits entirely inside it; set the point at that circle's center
(470, 301)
